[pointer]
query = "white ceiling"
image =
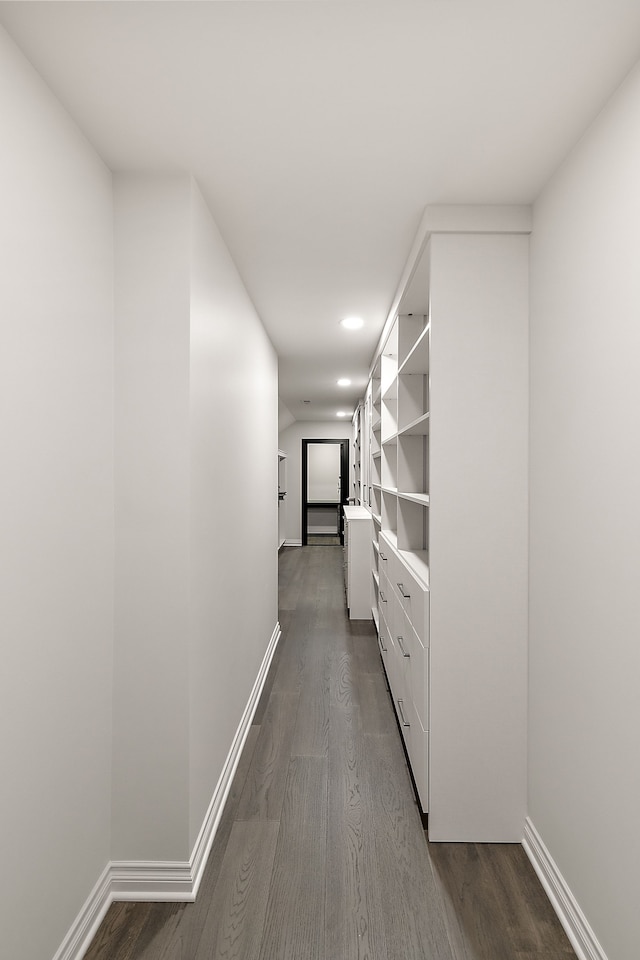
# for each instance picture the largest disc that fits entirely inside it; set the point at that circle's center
(318, 131)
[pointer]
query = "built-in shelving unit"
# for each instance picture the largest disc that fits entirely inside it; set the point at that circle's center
(357, 456)
(446, 421)
(402, 572)
(282, 492)
(373, 428)
(405, 434)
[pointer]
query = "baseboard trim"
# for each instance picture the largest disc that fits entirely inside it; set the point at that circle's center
(220, 794)
(293, 543)
(174, 881)
(576, 926)
(152, 881)
(78, 939)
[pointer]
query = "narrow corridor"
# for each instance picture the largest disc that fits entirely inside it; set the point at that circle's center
(321, 852)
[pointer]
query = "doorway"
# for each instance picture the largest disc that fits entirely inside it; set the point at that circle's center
(325, 488)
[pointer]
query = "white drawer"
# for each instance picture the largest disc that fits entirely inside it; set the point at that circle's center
(394, 671)
(384, 645)
(385, 599)
(416, 665)
(387, 645)
(386, 626)
(414, 599)
(386, 556)
(404, 713)
(417, 742)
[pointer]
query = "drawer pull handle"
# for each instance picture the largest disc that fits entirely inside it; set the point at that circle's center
(402, 716)
(382, 646)
(382, 555)
(382, 597)
(401, 589)
(402, 649)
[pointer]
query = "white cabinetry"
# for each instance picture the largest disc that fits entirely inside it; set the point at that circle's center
(374, 501)
(403, 540)
(448, 460)
(357, 563)
(404, 645)
(282, 492)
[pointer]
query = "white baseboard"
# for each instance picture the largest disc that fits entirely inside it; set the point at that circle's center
(214, 813)
(78, 939)
(583, 939)
(165, 881)
(154, 881)
(293, 543)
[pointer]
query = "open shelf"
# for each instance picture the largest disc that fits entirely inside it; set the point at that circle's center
(418, 427)
(412, 525)
(389, 425)
(412, 466)
(413, 399)
(389, 467)
(391, 536)
(389, 510)
(417, 361)
(375, 471)
(420, 498)
(389, 371)
(418, 562)
(411, 329)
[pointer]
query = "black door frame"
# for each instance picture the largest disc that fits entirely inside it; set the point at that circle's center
(344, 484)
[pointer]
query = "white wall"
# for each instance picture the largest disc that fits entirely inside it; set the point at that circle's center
(285, 417)
(116, 715)
(584, 755)
(234, 505)
(290, 441)
(56, 561)
(196, 512)
(151, 712)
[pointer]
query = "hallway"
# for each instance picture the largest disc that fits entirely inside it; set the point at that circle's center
(321, 853)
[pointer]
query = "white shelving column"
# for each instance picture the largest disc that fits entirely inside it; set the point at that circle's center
(478, 535)
(449, 479)
(374, 500)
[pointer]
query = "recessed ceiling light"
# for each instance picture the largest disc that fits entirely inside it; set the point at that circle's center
(352, 323)
(340, 413)
(344, 382)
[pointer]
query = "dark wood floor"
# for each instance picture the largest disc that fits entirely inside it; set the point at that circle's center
(321, 852)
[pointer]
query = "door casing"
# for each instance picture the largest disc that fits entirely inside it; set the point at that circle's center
(344, 483)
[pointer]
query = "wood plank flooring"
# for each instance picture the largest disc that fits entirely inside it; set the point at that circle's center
(321, 852)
